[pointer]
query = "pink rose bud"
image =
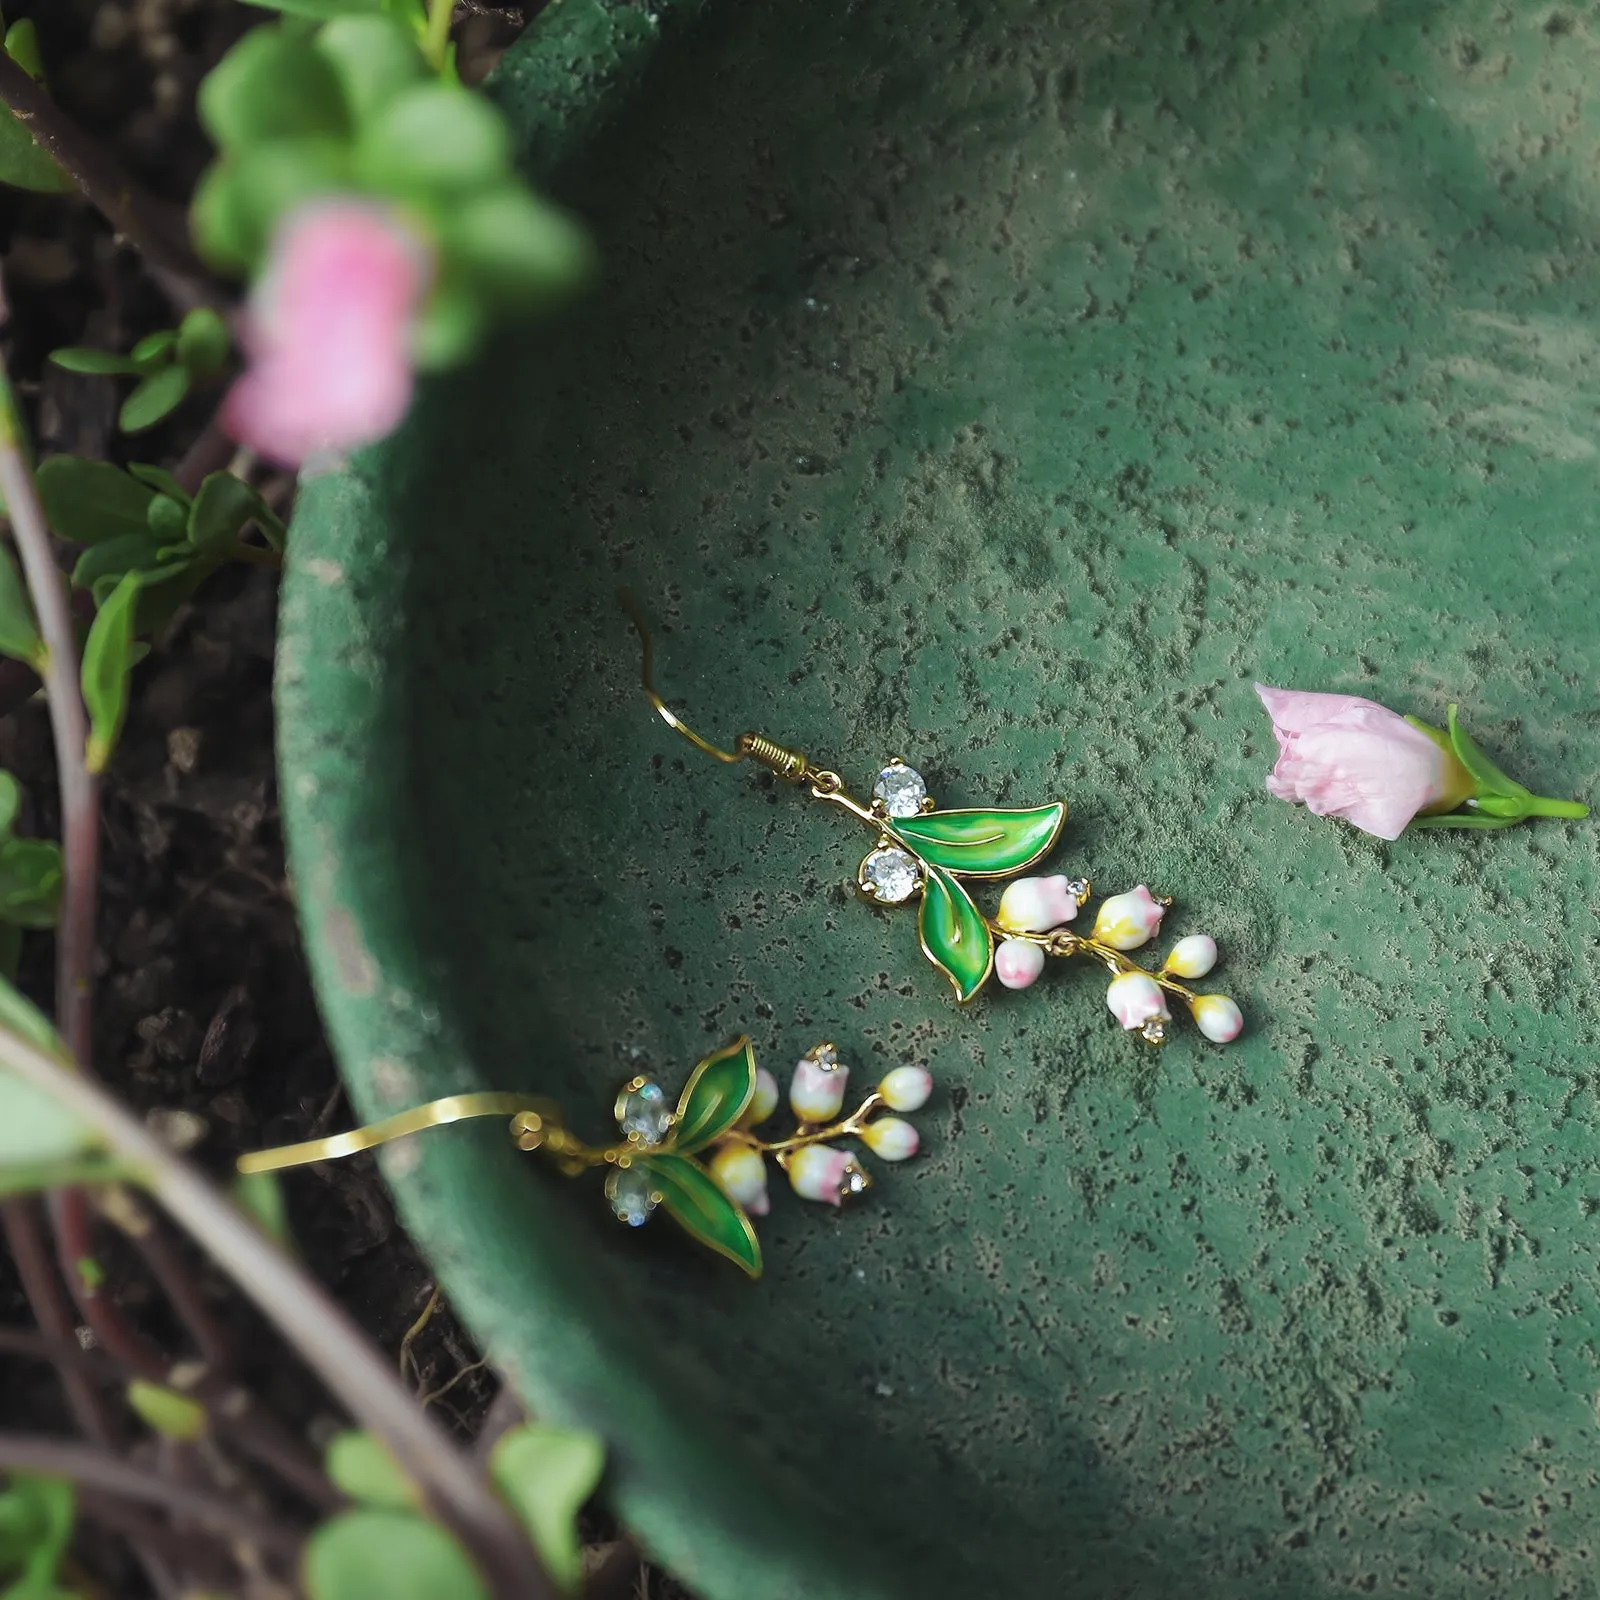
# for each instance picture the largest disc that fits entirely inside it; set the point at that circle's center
(817, 1090)
(819, 1172)
(1126, 921)
(1218, 1017)
(328, 332)
(763, 1102)
(1134, 998)
(1193, 957)
(891, 1138)
(1036, 905)
(906, 1088)
(1341, 756)
(1017, 963)
(742, 1173)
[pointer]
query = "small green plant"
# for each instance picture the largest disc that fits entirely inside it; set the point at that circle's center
(168, 365)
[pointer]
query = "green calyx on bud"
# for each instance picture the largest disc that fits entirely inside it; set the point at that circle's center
(1488, 797)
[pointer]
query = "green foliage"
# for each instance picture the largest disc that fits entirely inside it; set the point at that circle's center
(697, 1203)
(360, 1466)
(155, 399)
(35, 1131)
(260, 1196)
(171, 1414)
(322, 8)
(36, 1518)
(22, 163)
(30, 882)
(169, 363)
(203, 343)
(100, 363)
(371, 1554)
(373, 58)
(107, 662)
(19, 630)
(87, 502)
(22, 45)
(715, 1097)
(272, 85)
(546, 1475)
(223, 508)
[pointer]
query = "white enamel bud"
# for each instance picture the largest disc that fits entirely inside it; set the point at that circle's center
(1126, 921)
(763, 1102)
(1219, 1019)
(742, 1173)
(1134, 998)
(1193, 957)
(890, 1137)
(1018, 962)
(1036, 905)
(906, 1088)
(817, 1092)
(819, 1172)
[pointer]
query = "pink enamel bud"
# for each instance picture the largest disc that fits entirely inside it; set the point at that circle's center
(742, 1174)
(763, 1102)
(819, 1172)
(906, 1088)
(1219, 1019)
(890, 1137)
(1126, 921)
(1017, 963)
(1134, 998)
(1036, 905)
(1193, 957)
(817, 1090)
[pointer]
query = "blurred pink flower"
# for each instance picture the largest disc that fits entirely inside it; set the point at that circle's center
(1342, 756)
(328, 333)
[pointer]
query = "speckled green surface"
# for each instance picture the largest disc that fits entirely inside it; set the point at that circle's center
(1005, 385)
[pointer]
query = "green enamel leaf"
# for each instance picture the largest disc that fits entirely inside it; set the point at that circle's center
(1489, 778)
(955, 938)
(715, 1097)
(693, 1200)
(983, 844)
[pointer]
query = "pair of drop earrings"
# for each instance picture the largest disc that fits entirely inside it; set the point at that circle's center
(702, 1161)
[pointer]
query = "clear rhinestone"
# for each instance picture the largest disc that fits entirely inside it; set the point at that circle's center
(1078, 888)
(889, 875)
(901, 790)
(643, 1113)
(1154, 1031)
(631, 1196)
(826, 1057)
(855, 1181)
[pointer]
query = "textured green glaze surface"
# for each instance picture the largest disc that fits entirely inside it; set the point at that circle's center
(1007, 383)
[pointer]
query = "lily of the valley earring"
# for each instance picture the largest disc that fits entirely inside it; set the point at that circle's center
(922, 853)
(701, 1161)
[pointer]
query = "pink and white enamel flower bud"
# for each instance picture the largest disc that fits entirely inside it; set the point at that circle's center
(1036, 905)
(1218, 1018)
(906, 1088)
(819, 1172)
(1017, 962)
(1126, 921)
(763, 1102)
(890, 1137)
(1192, 957)
(328, 332)
(742, 1174)
(1342, 756)
(816, 1091)
(1135, 998)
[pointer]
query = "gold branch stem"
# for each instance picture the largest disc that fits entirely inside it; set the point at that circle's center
(812, 1133)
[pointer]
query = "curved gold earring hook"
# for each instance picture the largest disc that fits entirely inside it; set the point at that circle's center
(668, 716)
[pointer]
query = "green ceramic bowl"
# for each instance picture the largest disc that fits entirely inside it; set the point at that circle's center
(1006, 385)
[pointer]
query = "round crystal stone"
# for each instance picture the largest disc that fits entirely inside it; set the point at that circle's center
(643, 1113)
(1078, 888)
(1154, 1031)
(826, 1056)
(901, 790)
(632, 1199)
(889, 875)
(854, 1181)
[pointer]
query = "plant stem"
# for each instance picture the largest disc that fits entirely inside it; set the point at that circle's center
(1540, 806)
(157, 228)
(328, 1341)
(436, 40)
(96, 1468)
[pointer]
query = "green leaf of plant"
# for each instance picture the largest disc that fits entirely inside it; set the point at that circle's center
(154, 349)
(221, 509)
(34, 1129)
(169, 1413)
(241, 201)
(450, 326)
(73, 1172)
(387, 1555)
(22, 45)
(19, 632)
(30, 882)
(168, 519)
(24, 165)
(982, 843)
(105, 564)
(1462, 819)
(36, 1517)
(434, 139)
(955, 938)
(10, 804)
(546, 1476)
(80, 358)
(203, 343)
(106, 664)
(359, 1464)
(272, 85)
(155, 399)
(260, 1196)
(319, 8)
(22, 1017)
(376, 58)
(159, 479)
(516, 247)
(715, 1097)
(692, 1198)
(87, 501)
(1489, 778)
